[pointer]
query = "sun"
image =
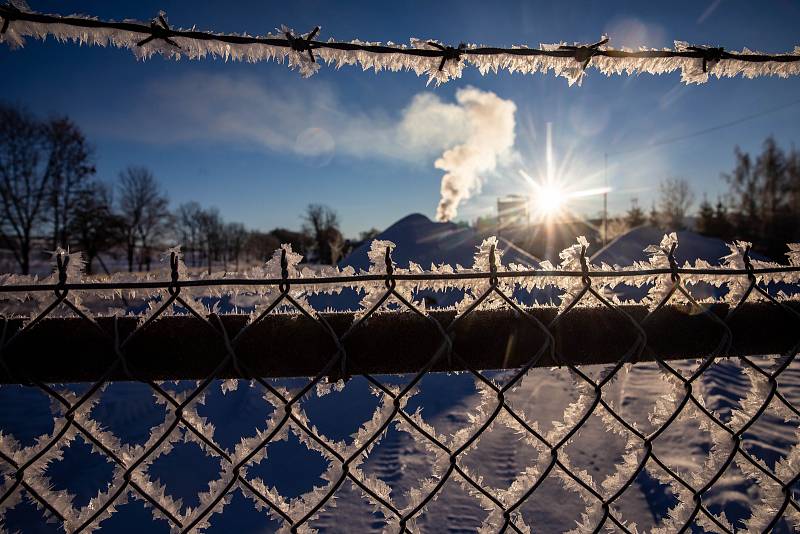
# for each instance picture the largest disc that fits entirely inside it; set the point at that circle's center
(549, 200)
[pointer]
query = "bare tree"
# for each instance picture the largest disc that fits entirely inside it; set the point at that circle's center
(93, 225)
(765, 194)
(676, 197)
(69, 168)
(635, 217)
(188, 229)
(301, 242)
(260, 245)
(235, 238)
(211, 234)
(144, 210)
(23, 181)
(368, 235)
(322, 224)
(654, 218)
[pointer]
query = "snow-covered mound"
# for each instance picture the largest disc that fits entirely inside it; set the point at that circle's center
(629, 247)
(426, 242)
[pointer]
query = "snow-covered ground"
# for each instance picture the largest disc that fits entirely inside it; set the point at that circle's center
(506, 457)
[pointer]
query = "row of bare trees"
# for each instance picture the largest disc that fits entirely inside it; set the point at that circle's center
(43, 167)
(764, 197)
(49, 198)
(761, 205)
(208, 239)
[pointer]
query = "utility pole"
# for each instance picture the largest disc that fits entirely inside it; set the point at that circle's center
(605, 200)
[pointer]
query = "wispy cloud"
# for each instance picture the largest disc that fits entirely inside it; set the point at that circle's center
(467, 139)
(247, 112)
(634, 33)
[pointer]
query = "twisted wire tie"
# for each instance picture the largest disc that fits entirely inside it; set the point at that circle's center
(587, 281)
(62, 260)
(284, 285)
(748, 264)
(173, 288)
(673, 263)
(493, 280)
(390, 281)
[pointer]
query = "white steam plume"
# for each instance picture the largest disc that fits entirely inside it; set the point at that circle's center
(489, 136)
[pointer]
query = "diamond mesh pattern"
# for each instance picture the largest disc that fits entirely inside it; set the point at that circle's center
(26, 467)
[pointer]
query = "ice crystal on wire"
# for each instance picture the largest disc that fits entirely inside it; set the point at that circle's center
(571, 261)
(737, 287)
(659, 259)
(74, 263)
(794, 254)
(481, 288)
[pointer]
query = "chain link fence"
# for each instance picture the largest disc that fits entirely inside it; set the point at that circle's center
(590, 334)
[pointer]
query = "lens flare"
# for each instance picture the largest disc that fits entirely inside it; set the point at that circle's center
(549, 200)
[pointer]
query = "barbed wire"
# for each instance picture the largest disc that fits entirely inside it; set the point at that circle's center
(440, 62)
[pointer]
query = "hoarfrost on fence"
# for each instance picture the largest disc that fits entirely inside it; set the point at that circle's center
(682, 397)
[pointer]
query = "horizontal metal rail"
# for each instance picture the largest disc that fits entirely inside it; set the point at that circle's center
(287, 345)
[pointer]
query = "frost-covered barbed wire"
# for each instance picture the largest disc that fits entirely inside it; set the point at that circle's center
(431, 58)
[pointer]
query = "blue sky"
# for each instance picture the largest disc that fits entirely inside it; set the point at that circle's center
(236, 135)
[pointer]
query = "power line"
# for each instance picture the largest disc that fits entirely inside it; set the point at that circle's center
(735, 122)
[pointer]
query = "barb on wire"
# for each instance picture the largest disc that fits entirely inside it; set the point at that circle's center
(711, 55)
(302, 44)
(7, 13)
(448, 53)
(585, 53)
(159, 29)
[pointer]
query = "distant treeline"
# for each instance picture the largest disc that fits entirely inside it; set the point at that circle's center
(762, 204)
(52, 198)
